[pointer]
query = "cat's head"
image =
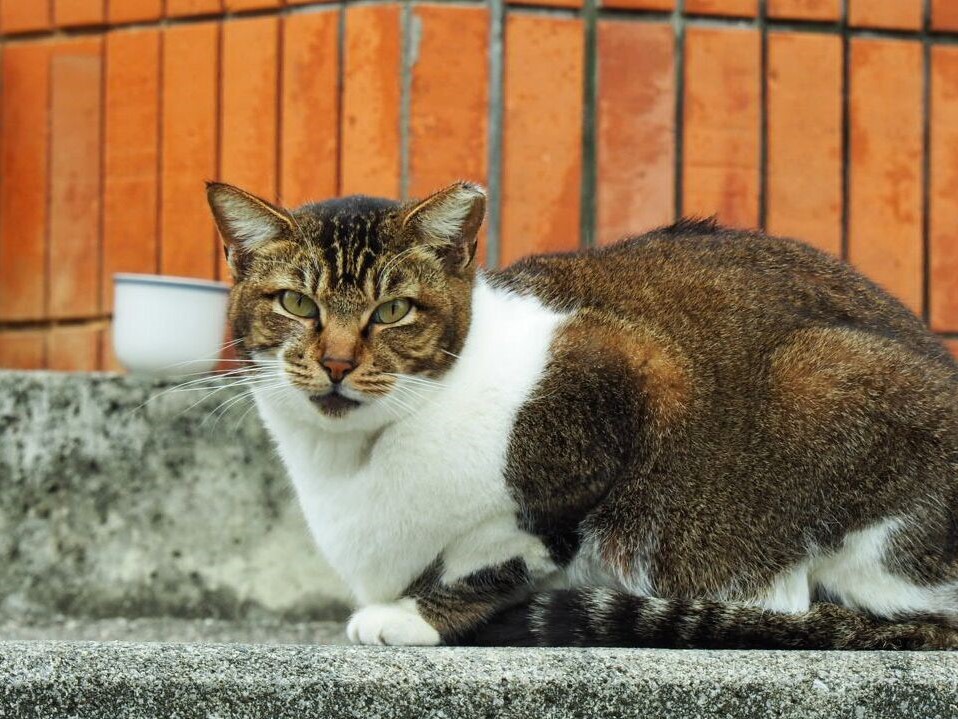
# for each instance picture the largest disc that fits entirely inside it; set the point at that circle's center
(352, 305)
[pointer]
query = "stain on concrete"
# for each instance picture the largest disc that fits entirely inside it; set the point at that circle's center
(119, 497)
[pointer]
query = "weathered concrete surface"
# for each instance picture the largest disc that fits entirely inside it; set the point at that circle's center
(46, 679)
(172, 629)
(119, 497)
(125, 523)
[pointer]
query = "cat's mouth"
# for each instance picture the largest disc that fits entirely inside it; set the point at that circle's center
(333, 404)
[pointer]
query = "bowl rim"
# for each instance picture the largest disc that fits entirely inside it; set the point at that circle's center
(192, 283)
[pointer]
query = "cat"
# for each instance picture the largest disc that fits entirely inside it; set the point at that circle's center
(697, 437)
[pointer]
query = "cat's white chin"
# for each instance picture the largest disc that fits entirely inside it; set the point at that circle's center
(346, 410)
(335, 403)
(291, 406)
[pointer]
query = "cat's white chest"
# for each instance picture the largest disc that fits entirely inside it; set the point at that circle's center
(383, 506)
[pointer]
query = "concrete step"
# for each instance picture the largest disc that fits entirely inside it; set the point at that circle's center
(114, 680)
(122, 496)
(153, 563)
(171, 629)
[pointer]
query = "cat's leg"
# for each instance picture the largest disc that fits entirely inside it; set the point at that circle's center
(436, 611)
(877, 569)
(883, 422)
(397, 623)
(489, 567)
(867, 573)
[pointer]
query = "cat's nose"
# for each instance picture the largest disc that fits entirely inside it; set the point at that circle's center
(337, 368)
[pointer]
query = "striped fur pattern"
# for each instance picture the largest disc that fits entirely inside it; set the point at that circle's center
(697, 437)
(601, 617)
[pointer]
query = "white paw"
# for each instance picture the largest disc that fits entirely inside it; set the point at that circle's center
(397, 624)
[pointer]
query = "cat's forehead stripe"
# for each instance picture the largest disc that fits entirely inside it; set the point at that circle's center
(350, 245)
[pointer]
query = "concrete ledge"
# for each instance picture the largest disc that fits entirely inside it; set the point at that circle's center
(124, 523)
(122, 496)
(172, 629)
(77, 679)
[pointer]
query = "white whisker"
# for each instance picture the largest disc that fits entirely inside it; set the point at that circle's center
(223, 407)
(416, 379)
(401, 402)
(207, 377)
(251, 383)
(208, 358)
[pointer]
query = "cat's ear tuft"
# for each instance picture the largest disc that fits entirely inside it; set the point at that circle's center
(246, 223)
(450, 219)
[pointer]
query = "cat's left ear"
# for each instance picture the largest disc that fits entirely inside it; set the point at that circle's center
(450, 219)
(246, 223)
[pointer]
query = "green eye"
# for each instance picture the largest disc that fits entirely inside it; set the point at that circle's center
(389, 312)
(298, 304)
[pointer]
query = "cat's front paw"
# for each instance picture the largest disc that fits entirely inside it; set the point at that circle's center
(397, 624)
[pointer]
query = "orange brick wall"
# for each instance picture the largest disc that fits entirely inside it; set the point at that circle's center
(832, 120)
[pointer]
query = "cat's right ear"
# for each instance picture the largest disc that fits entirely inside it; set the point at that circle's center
(246, 223)
(450, 220)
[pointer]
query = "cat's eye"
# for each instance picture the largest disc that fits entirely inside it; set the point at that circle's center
(389, 312)
(298, 304)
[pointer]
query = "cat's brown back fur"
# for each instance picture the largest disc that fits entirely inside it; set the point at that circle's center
(729, 401)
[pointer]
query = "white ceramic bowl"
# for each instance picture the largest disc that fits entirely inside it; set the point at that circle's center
(168, 326)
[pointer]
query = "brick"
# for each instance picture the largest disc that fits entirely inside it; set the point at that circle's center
(74, 348)
(952, 346)
(24, 190)
(310, 132)
(130, 231)
(68, 13)
(548, 3)
(721, 134)
(370, 153)
(19, 16)
(943, 199)
(227, 353)
(181, 8)
(745, 8)
(108, 359)
(249, 115)
(636, 128)
(639, 4)
(75, 183)
(805, 9)
(900, 14)
(804, 191)
(240, 5)
(188, 242)
(542, 151)
(944, 14)
(22, 349)
(305, 2)
(450, 99)
(134, 10)
(885, 198)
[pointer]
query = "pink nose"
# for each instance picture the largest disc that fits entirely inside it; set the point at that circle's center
(337, 368)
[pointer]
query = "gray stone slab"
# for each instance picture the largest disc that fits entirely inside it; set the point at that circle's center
(84, 679)
(122, 496)
(132, 517)
(172, 629)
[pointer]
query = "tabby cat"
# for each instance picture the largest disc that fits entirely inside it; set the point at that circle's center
(697, 437)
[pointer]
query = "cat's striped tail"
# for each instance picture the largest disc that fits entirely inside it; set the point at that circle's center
(594, 617)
